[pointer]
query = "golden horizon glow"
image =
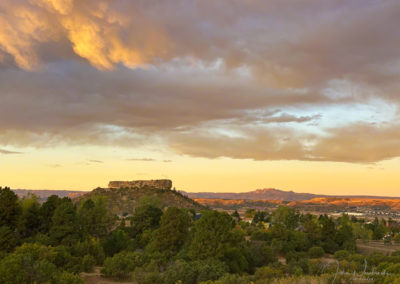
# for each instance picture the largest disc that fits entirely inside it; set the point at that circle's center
(225, 95)
(85, 168)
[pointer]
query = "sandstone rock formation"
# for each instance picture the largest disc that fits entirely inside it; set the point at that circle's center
(165, 184)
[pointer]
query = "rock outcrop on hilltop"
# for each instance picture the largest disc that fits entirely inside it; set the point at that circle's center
(122, 197)
(165, 184)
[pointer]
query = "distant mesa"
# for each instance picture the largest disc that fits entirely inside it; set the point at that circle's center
(164, 184)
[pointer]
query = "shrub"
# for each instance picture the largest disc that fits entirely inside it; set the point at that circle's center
(268, 272)
(121, 264)
(88, 263)
(341, 254)
(69, 278)
(194, 272)
(316, 252)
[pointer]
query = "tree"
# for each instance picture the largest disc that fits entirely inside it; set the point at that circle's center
(9, 208)
(328, 233)
(212, 236)
(30, 263)
(8, 239)
(95, 218)
(286, 217)
(122, 264)
(312, 228)
(146, 217)
(236, 215)
(64, 228)
(29, 220)
(117, 242)
(173, 231)
(344, 236)
(46, 212)
(260, 216)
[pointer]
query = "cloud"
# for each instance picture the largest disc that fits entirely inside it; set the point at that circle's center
(7, 152)
(141, 159)
(232, 78)
(96, 161)
(357, 143)
(255, 144)
(55, 166)
(148, 160)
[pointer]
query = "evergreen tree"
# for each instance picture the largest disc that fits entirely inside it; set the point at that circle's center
(9, 208)
(212, 236)
(29, 220)
(173, 231)
(64, 229)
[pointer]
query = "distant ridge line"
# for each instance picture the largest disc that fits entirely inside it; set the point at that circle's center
(275, 194)
(258, 194)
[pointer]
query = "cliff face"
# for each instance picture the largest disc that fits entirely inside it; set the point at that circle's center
(165, 184)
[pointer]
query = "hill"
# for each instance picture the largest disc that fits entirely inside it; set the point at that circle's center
(43, 194)
(272, 194)
(259, 194)
(336, 203)
(233, 204)
(124, 200)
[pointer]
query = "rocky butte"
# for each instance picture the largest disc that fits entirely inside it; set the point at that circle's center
(165, 184)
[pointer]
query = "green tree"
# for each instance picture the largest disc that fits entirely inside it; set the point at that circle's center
(122, 264)
(8, 239)
(9, 208)
(312, 228)
(213, 235)
(260, 216)
(146, 217)
(286, 217)
(64, 228)
(47, 210)
(116, 242)
(236, 215)
(94, 217)
(30, 263)
(29, 220)
(344, 236)
(173, 231)
(88, 263)
(328, 233)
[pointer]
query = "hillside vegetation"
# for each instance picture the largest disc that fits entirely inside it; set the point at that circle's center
(64, 242)
(123, 201)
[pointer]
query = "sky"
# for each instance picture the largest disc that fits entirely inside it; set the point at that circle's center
(228, 95)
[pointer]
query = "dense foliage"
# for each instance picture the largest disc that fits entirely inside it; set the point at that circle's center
(55, 241)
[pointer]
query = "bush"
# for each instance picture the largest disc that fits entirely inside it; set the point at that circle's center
(315, 266)
(90, 247)
(147, 274)
(268, 272)
(342, 254)
(88, 263)
(69, 278)
(122, 264)
(316, 252)
(194, 272)
(231, 279)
